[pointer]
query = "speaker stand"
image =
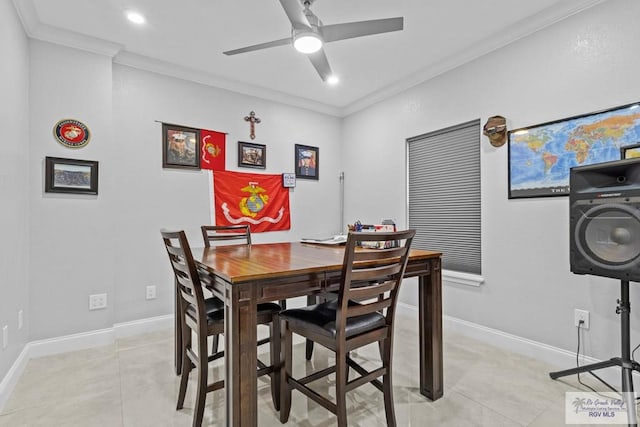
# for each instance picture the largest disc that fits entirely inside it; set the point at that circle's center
(625, 362)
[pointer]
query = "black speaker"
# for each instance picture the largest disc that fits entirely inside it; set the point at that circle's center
(605, 219)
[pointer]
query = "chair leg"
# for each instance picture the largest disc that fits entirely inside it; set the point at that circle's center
(286, 363)
(311, 299)
(186, 367)
(203, 368)
(308, 352)
(387, 385)
(341, 385)
(275, 357)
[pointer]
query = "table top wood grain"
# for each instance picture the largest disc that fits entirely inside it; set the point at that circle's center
(244, 263)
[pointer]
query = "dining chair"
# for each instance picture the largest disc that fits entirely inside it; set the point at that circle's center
(363, 314)
(196, 319)
(224, 234)
(214, 235)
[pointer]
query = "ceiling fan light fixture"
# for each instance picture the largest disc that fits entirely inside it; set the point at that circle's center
(135, 17)
(333, 80)
(307, 42)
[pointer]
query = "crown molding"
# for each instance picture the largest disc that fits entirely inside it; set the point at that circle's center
(178, 71)
(39, 31)
(516, 31)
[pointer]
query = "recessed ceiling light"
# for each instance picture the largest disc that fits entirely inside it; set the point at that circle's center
(135, 17)
(333, 79)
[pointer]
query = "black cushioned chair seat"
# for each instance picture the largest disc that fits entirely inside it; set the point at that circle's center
(322, 319)
(215, 309)
(214, 306)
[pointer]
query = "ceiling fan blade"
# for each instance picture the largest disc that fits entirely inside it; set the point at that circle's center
(321, 64)
(266, 45)
(295, 13)
(331, 33)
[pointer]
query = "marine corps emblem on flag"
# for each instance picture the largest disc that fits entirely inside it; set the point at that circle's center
(253, 204)
(257, 200)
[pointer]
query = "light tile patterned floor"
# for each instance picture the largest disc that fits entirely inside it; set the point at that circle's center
(131, 383)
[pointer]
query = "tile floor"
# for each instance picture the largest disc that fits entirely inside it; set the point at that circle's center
(131, 383)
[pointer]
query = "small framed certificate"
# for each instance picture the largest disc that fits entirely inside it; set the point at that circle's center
(289, 180)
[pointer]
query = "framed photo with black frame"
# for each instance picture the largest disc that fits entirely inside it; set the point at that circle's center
(252, 155)
(180, 147)
(70, 176)
(307, 162)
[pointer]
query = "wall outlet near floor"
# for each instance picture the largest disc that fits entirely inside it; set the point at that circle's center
(151, 292)
(5, 336)
(20, 319)
(97, 301)
(579, 315)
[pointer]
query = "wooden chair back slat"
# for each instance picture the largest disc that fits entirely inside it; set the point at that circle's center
(369, 273)
(215, 234)
(371, 290)
(370, 307)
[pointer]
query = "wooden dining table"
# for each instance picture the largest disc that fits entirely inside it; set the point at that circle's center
(245, 275)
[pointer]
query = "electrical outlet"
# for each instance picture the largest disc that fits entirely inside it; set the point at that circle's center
(151, 292)
(5, 336)
(97, 301)
(579, 315)
(20, 319)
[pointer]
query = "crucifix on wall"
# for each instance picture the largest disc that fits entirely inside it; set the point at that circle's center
(253, 120)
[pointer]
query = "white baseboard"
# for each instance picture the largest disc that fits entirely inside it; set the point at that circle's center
(554, 356)
(143, 326)
(10, 380)
(74, 342)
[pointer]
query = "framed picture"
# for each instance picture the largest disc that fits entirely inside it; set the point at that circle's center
(180, 147)
(541, 156)
(630, 151)
(289, 180)
(252, 155)
(70, 176)
(307, 162)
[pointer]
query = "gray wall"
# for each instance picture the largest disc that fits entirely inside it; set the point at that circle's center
(72, 237)
(582, 64)
(14, 181)
(111, 243)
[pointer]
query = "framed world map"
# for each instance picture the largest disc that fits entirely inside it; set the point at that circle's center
(541, 156)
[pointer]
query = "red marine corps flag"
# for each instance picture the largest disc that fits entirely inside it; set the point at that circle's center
(257, 200)
(212, 150)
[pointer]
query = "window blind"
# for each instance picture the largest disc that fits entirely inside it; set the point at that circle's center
(444, 194)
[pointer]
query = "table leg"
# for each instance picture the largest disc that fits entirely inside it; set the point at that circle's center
(430, 330)
(240, 360)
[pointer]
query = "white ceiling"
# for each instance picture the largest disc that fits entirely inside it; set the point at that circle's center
(186, 38)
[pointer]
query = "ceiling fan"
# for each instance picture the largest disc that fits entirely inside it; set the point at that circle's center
(308, 34)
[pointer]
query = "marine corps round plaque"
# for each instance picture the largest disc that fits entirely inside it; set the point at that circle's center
(71, 133)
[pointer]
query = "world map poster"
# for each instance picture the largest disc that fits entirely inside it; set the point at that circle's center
(541, 156)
